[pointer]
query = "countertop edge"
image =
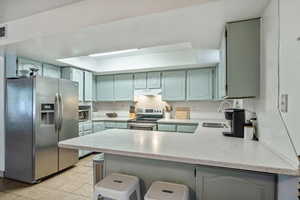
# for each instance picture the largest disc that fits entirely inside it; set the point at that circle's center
(272, 170)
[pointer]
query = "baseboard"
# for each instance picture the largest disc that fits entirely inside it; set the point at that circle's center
(2, 174)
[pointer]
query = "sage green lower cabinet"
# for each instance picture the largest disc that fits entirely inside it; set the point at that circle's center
(227, 184)
(98, 126)
(51, 71)
(174, 85)
(167, 127)
(200, 84)
(186, 128)
(113, 124)
(123, 87)
(105, 88)
(150, 170)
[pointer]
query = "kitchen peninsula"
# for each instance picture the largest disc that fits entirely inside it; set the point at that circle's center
(204, 160)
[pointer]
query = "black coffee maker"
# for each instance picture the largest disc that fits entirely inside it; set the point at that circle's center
(236, 118)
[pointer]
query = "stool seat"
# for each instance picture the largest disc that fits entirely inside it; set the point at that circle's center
(167, 191)
(118, 186)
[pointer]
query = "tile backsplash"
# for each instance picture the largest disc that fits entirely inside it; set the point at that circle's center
(199, 109)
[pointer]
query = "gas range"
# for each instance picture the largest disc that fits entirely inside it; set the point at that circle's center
(146, 119)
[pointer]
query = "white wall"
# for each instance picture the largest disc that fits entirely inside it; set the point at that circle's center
(2, 131)
(270, 126)
(290, 65)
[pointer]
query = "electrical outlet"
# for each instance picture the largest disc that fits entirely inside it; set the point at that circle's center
(284, 103)
(238, 103)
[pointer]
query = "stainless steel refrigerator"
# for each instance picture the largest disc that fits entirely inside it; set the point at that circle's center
(40, 112)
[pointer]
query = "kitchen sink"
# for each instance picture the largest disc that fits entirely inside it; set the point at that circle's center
(214, 125)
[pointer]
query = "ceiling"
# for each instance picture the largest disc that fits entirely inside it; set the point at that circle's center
(15, 9)
(200, 25)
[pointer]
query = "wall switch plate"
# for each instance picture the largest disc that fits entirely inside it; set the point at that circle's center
(284, 103)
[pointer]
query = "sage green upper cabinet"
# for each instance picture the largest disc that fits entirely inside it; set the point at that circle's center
(173, 85)
(105, 88)
(243, 59)
(88, 86)
(153, 80)
(123, 87)
(51, 71)
(94, 87)
(26, 64)
(200, 84)
(140, 80)
(77, 76)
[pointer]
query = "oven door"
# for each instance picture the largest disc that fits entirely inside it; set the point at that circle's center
(142, 126)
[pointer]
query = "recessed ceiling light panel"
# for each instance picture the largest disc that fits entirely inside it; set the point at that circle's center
(112, 53)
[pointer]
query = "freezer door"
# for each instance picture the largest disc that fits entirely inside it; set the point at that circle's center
(45, 132)
(69, 121)
(18, 136)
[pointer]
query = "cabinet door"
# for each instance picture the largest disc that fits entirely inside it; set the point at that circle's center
(200, 84)
(105, 88)
(153, 80)
(124, 87)
(186, 128)
(26, 64)
(88, 86)
(174, 85)
(226, 184)
(243, 58)
(167, 127)
(98, 126)
(77, 75)
(51, 71)
(140, 80)
(94, 87)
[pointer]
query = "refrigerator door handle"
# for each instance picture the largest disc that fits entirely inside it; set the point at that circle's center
(57, 112)
(60, 112)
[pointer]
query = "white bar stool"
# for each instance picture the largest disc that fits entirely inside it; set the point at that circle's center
(118, 186)
(167, 191)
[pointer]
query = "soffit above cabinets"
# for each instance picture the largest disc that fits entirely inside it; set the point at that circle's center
(200, 25)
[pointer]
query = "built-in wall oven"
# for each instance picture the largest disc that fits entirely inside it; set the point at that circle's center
(146, 119)
(84, 113)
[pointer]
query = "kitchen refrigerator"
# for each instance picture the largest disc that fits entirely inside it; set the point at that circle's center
(40, 112)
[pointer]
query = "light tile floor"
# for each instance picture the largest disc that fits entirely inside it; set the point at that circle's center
(72, 184)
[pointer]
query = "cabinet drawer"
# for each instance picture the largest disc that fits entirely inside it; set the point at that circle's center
(81, 133)
(88, 132)
(122, 125)
(87, 126)
(81, 127)
(167, 127)
(98, 126)
(109, 124)
(187, 128)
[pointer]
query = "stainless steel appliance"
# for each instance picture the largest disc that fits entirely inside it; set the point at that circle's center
(146, 119)
(84, 113)
(40, 112)
(236, 118)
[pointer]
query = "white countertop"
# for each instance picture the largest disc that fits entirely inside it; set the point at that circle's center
(121, 119)
(206, 147)
(179, 121)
